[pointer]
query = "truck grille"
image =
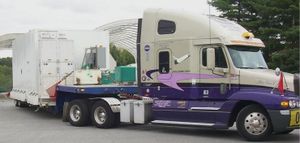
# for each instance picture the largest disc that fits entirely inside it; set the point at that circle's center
(296, 83)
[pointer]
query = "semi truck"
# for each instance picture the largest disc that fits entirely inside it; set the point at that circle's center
(191, 70)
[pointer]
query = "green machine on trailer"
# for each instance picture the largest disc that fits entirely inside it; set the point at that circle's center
(121, 74)
(125, 74)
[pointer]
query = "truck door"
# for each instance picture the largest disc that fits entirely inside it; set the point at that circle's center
(212, 88)
(216, 85)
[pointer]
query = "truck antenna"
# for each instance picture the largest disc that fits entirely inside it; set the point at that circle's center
(209, 22)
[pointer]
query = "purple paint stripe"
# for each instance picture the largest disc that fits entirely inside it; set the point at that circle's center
(171, 79)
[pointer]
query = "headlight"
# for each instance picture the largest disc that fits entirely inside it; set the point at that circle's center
(293, 103)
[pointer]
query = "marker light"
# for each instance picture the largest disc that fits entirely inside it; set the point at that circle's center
(284, 104)
(248, 35)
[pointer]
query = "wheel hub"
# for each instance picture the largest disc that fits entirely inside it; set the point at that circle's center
(75, 113)
(100, 115)
(256, 123)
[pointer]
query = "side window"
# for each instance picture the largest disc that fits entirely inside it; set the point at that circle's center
(164, 62)
(219, 58)
(166, 27)
(204, 55)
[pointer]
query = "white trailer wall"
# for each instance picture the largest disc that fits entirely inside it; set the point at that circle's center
(43, 57)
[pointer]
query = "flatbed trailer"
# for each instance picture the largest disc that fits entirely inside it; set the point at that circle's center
(192, 70)
(68, 93)
(97, 90)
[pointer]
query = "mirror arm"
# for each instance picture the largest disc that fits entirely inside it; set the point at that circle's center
(216, 73)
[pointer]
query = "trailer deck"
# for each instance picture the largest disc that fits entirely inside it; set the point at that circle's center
(98, 89)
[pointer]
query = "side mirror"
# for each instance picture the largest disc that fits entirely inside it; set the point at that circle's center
(277, 71)
(210, 58)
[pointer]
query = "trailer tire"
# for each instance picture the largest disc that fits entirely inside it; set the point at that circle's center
(78, 113)
(65, 113)
(102, 115)
(21, 104)
(253, 123)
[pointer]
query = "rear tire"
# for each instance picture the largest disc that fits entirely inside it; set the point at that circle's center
(117, 120)
(65, 117)
(78, 113)
(102, 115)
(253, 123)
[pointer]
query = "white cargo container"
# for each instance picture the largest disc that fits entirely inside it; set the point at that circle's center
(43, 57)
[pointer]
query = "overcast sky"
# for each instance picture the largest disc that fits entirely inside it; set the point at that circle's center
(19, 16)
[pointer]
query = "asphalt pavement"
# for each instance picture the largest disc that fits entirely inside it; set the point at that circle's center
(24, 125)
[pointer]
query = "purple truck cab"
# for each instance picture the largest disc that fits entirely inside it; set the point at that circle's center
(212, 76)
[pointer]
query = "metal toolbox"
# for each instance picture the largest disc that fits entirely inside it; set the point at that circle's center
(142, 111)
(126, 111)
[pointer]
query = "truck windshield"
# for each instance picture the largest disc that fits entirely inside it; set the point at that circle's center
(247, 57)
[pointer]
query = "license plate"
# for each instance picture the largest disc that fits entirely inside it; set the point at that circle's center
(295, 117)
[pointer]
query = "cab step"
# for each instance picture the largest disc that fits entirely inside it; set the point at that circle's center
(182, 123)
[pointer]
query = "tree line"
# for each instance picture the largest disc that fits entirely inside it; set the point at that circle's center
(5, 74)
(276, 22)
(122, 56)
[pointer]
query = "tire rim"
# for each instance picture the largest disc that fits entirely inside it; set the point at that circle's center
(100, 115)
(75, 113)
(256, 123)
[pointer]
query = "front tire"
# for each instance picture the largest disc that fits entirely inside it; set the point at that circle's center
(253, 123)
(78, 113)
(102, 115)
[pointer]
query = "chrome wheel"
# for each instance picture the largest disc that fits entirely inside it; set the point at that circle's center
(256, 123)
(75, 113)
(100, 115)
